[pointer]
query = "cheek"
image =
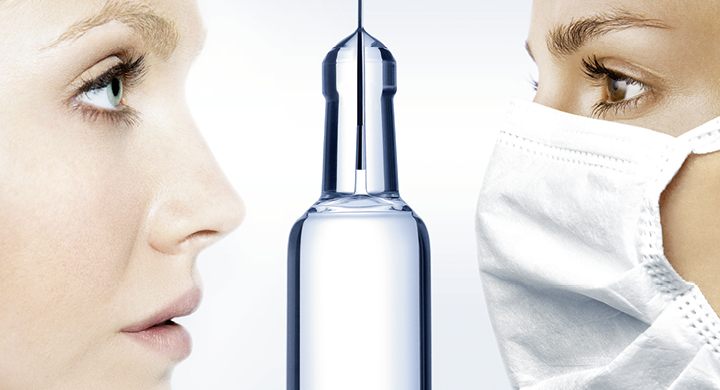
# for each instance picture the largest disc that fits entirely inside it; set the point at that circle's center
(70, 211)
(689, 210)
(676, 114)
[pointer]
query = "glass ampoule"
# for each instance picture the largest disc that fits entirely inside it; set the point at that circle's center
(359, 258)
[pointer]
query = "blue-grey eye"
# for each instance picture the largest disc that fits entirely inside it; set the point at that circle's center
(107, 97)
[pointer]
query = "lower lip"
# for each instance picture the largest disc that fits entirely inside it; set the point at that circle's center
(169, 338)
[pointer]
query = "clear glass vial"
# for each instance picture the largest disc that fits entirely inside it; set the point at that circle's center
(359, 258)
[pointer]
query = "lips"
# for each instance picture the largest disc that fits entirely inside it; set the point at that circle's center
(159, 333)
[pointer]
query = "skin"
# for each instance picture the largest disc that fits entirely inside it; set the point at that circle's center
(674, 56)
(101, 219)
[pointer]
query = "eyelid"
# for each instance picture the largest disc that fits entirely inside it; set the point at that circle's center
(599, 72)
(624, 70)
(601, 108)
(129, 71)
(596, 70)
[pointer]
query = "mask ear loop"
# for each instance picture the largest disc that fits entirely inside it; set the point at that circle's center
(701, 140)
(699, 317)
(669, 163)
(650, 242)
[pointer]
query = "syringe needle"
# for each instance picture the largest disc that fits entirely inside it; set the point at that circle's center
(360, 149)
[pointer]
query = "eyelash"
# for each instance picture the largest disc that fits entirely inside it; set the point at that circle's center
(533, 83)
(130, 72)
(598, 72)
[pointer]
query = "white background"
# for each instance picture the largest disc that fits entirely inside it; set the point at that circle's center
(255, 93)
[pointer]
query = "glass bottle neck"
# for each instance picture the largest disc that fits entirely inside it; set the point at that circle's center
(359, 83)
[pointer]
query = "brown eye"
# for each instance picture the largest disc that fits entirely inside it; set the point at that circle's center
(618, 90)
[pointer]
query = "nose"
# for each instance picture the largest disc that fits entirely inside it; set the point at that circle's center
(194, 204)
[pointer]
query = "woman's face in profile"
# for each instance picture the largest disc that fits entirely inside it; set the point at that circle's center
(652, 64)
(644, 62)
(107, 192)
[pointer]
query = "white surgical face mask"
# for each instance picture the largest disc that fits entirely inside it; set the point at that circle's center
(570, 244)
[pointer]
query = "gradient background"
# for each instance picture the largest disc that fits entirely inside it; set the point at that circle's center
(255, 93)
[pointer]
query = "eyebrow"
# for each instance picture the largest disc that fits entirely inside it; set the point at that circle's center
(158, 32)
(569, 38)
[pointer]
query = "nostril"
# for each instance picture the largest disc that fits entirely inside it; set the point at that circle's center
(184, 225)
(201, 235)
(194, 242)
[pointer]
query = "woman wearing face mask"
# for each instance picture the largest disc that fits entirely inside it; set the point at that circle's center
(599, 218)
(108, 193)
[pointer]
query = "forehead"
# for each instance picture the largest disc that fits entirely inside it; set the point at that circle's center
(40, 23)
(700, 18)
(31, 26)
(689, 30)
